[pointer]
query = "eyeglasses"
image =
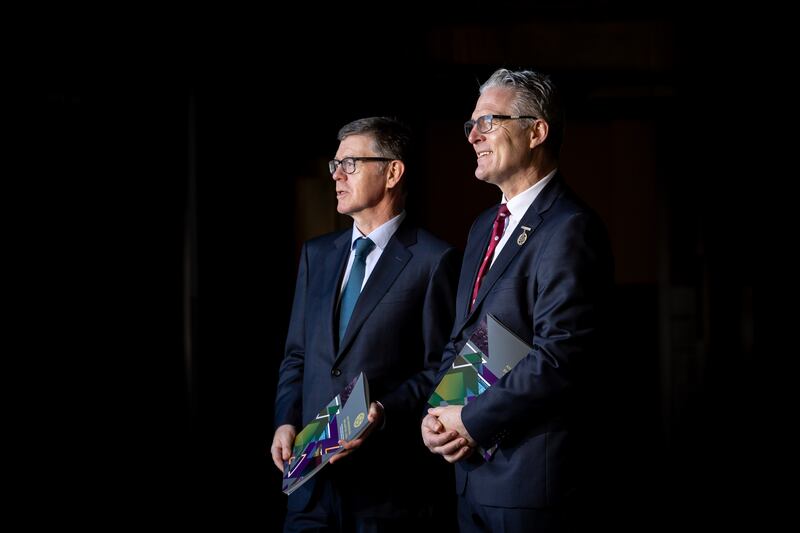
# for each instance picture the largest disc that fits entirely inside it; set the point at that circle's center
(485, 125)
(349, 163)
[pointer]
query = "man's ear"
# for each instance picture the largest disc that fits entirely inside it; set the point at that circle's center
(395, 171)
(538, 133)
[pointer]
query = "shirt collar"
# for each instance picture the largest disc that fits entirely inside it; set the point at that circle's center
(380, 235)
(518, 205)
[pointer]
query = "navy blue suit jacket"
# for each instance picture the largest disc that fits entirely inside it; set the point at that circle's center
(396, 336)
(550, 289)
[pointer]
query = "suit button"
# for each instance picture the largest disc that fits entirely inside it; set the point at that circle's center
(336, 372)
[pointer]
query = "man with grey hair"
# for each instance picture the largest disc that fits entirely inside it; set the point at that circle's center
(541, 263)
(391, 324)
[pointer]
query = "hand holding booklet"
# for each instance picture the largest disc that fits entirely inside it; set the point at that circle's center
(491, 352)
(344, 418)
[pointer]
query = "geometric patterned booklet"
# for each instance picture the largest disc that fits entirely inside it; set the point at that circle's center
(345, 417)
(490, 353)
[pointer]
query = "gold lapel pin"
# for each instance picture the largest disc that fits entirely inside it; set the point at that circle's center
(523, 236)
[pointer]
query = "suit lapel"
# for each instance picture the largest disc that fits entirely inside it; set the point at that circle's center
(393, 259)
(531, 220)
(474, 255)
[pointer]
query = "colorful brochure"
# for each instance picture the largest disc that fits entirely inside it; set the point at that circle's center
(344, 418)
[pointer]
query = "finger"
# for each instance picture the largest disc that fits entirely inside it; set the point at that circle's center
(447, 448)
(432, 423)
(351, 444)
(276, 458)
(284, 445)
(427, 436)
(451, 447)
(440, 439)
(460, 454)
(464, 452)
(341, 455)
(286, 453)
(434, 440)
(375, 411)
(435, 411)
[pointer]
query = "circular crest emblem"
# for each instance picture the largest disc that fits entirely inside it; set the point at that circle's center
(359, 420)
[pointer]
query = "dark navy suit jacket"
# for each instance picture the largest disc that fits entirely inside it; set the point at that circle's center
(550, 288)
(396, 336)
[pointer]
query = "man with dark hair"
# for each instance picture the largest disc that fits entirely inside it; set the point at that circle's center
(390, 323)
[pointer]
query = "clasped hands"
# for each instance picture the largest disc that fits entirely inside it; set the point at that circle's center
(444, 433)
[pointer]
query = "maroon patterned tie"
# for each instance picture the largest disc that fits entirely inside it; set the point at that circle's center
(497, 232)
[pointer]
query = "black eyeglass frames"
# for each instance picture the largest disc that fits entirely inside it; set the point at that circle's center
(349, 163)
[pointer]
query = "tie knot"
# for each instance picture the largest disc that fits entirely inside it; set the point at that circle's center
(503, 212)
(363, 247)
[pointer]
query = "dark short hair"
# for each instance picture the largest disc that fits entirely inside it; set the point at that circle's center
(392, 138)
(536, 95)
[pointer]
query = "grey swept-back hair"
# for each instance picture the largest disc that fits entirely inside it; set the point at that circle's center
(536, 95)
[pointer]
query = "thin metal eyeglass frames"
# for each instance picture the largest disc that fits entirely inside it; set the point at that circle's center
(485, 125)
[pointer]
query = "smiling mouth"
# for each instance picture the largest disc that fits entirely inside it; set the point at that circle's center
(481, 155)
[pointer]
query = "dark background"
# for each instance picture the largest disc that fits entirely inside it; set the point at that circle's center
(177, 167)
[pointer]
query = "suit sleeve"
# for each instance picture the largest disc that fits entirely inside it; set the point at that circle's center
(570, 286)
(289, 396)
(438, 313)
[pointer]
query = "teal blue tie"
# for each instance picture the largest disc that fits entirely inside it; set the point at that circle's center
(353, 287)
